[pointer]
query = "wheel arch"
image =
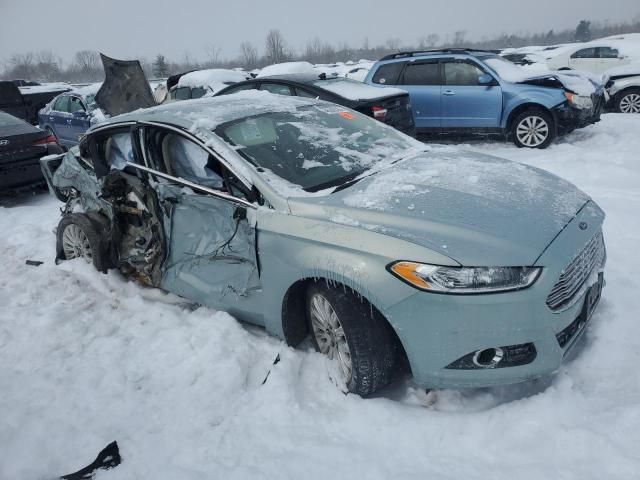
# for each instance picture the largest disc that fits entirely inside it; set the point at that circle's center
(523, 107)
(294, 316)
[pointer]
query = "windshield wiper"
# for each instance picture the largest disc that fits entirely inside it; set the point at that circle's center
(335, 182)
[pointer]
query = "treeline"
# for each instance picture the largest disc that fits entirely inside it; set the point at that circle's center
(86, 66)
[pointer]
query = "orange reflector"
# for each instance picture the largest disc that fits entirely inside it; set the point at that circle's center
(347, 115)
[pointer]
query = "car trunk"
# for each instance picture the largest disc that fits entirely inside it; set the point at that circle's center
(19, 155)
(393, 110)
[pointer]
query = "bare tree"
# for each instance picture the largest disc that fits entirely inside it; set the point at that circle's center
(213, 55)
(459, 38)
(428, 41)
(47, 66)
(249, 55)
(275, 47)
(393, 44)
(88, 61)
(22, 65)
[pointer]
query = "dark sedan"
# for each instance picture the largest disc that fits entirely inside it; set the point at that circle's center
(391, 107)
(21, 147)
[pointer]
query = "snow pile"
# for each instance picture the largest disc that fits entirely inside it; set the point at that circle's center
(287, 68)
(87, 358)
(354, 90)
(216, 78)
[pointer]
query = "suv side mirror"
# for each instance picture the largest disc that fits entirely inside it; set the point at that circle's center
(485, 79)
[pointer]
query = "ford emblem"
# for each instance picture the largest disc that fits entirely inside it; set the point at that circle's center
(583, 225)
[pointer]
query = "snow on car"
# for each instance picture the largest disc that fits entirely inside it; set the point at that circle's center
(201, 83)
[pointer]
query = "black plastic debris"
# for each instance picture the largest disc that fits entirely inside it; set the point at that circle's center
(277, 359)
(34, 263)
(108, 458)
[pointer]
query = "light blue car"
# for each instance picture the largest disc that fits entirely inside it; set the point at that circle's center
(311, 219)
(478, 92)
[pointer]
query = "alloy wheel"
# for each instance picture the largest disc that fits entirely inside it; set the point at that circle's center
(330, 336)
(630, 103)
(75, 243)
(532, 131)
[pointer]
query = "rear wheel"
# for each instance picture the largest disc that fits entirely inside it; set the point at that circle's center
(79, 237)
(353, 335)
(533, 129)
(629, 101)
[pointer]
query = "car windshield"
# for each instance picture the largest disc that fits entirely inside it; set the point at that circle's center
(314, 146)
(507, 70)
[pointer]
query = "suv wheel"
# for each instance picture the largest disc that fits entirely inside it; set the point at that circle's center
(629, 101)
(354, 335)
(533, 129)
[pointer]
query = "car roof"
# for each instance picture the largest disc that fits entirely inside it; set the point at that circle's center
(208, 112)
(295, 77)
(439, 51)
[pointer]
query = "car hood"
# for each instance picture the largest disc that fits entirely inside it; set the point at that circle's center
(473, 208)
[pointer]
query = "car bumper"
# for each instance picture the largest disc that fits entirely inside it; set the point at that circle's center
(23, 173)
(440, 333)
(569, 118)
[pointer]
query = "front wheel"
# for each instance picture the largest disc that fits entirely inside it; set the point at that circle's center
(629, 101)
(353, 335)
(533, 129)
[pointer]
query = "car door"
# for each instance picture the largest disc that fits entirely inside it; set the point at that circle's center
(210, 231)
(608, 58)
(59, 119)
(466, 103)
(422, 79)
(80, 121)
(585, 59)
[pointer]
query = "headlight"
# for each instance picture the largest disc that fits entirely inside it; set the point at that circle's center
(579, 101)
(464, 280)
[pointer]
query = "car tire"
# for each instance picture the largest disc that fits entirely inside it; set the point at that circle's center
(628, 101)
(78, 236)
(533, 128)
(356, 337)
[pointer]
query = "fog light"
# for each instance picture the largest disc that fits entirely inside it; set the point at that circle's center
(488, 358)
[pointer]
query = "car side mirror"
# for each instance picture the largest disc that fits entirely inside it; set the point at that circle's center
(485, 79)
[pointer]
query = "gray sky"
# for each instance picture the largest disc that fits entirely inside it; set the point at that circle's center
(136, 28)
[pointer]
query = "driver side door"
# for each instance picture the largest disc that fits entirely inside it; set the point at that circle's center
(210, 230)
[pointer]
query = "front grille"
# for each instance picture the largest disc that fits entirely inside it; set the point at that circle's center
(572, 279)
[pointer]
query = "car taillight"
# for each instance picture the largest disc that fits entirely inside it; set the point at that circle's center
(49, 140)
(379, 113)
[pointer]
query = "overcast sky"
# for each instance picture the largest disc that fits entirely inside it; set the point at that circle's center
(135, 28)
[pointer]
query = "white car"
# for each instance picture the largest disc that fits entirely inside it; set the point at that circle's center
(623, 87)
(592, 58)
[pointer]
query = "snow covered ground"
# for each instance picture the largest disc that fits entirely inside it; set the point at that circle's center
(87, 358)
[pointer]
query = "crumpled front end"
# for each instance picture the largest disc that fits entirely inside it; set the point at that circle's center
(569, 117)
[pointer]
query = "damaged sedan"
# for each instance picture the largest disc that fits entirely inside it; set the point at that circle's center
(314, 220)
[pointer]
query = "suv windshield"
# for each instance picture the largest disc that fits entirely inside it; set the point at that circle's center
(314, 146)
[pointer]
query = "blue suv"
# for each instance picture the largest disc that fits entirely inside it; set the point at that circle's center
(470, 91)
